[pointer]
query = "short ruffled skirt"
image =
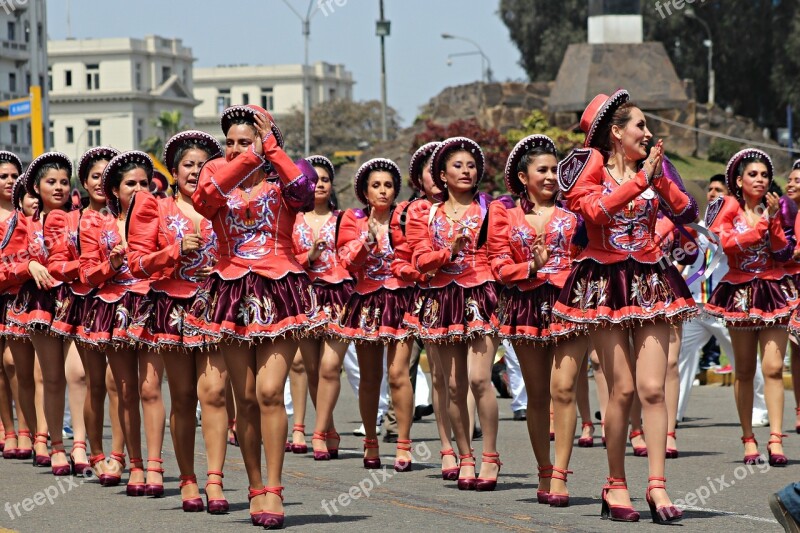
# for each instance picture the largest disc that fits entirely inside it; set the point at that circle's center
(625, 293)
(374, 317)
(167, 326)
(453, 313)
(759, 303)
(107, 324)
(8, 328)
(58, 311)
(527, 316)
(332, 300)
(254, 308)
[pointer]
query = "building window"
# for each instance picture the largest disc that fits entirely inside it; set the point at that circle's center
(70, 135)
(14, 134)
(93, 132)
(12, 82)
(51, 135)
(166, 72)
(138, 76)
(331, 94)
(245, 98)
(267, 98)
(139, 131)
(223, 100)
(28, 82)
(93, 77)
(12, 30)
(49, 78)
(40, 35)
(68, 78)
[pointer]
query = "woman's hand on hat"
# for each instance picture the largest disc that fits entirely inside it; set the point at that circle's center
(264, 130)
(317, 249)
(773, 203)
(40, 275)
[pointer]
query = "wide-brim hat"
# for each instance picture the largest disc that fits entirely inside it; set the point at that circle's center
(796, 165)
(415, 167)
(39, 162)
(18, 191)
(248, 113)
(733, 166)
(206, 141)
(324, 162)
(511, 175)
(133, 156)
(11, 157)
(600, 109)
(455, 144)
(362, 174)
(91, 156)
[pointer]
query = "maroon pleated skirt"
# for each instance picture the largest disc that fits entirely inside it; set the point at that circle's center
(374, 317)
(759, 303)
(527, 316)
(167, 326)
(453, 313)
(106, 324)
(7, 328)
(332, 299)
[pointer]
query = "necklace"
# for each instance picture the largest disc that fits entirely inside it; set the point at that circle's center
(632, 203)
(249, 193)
(455, 210)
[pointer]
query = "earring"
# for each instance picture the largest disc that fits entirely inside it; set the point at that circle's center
(444, 185)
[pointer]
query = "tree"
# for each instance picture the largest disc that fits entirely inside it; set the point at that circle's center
(168, 123)
(338, 125)
(537, 123)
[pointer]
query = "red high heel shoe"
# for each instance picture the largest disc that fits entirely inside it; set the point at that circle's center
(617, 513)
(40, 460)
(371, 462)
(112, 480)
(233, 439)
(672, 453)
(777, 459)
(190, 505)
(543, 496)
(586, 442)
(449, 474)
(556, 499)
(483, 484)
(466, 483)
(320, 455)
(24, 453)
(403, 465)
(134, 489)
(641, 451)
(665, 513)
(333, 435)
(9, 452)
(155, 490)
(266, 519)
(57, 446)
(753, 458)
(299, 448)
(216, 505)
(2, 437)
(79, 469)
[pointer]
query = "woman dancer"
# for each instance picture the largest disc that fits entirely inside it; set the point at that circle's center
(790, 219)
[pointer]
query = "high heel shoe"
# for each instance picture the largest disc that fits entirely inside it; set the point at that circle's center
(672, 453)
(8, 451)
(371, 462)
(665, 513)
(556, 499)
(586, 442)
(333, 435)
(320, 455)
(403, 465)
(155, 490)
(233, 439)
(753, 458)
(79, 469)
(190, 505)
(552, 433)
(112, 480)
(483, 484)
(603, 433)
(641, 451)
(466, 483)
(24, 453)
(134, 489)
(266, 519)
(40, 460)
(776, 459)
(57, 446)
(449, 474)
(216, 505)
(617, 513)
(543, 496)
(300, 448)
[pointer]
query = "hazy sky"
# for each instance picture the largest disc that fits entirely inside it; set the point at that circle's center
(267, 32)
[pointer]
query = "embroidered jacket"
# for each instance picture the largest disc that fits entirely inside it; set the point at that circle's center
(327, 267)
(61, 233)
(18, 232)
(401, 266)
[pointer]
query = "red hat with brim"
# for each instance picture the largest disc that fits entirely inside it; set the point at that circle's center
(134, 156)
(39, 162)
(324, 162)
(362, 175)
(91, 157)
(455, 144)
(11, 157)
(248, 113)
(415, 163)
(511, 175)
(599, 110)
(206, 141)
(732, 170)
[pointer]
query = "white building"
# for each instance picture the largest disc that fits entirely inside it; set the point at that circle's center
(277, 88)
(109, 91)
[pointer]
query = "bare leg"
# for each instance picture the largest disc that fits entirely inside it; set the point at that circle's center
(23, 365)
(534, 363)
(211, 378)
(41, 421)
(745, 351)
(370, 366)
(481, 358)
(584, 407)
(637, 441)
(454, 367)
(117, 435)
(77, 388)
(298, 384)
(6, 414)
(795, 368)
(151, 374)
(397, 365)
(10, 371)
(601, 386)
(772, 342)
(124, 367)
(50, 351)
(440, 401)
(94, 407)
(230, 407)
(672, 387)
(182, 381)
(329, 386)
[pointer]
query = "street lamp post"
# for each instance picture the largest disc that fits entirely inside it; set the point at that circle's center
(709, 43)
(486, 64)
(382, 29)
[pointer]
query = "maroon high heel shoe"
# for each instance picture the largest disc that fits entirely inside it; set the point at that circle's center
(666, 513)
(483, 484)
(266, 519)
(552, 433)
(38, 459)
(777, 459)
(672, 453)
(333, 435)
(190, 505)
(403, 465)
(603, 433)
(543, 496)
(466, 483)
(299, 448)
(586, 442)
(556, 499)
(233, 439)
(57, 446)
(753, 458)
(9, 452)
(320, 455)
(24, 453)
(79, 469)
(449, 474)
(216, 505)
(156, 490)
(112, 480)
(617, 513)
(641, 451)
(371, 462)
(134, 489)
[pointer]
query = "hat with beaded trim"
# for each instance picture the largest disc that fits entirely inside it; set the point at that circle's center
(362, 175)
(248, 113)
(419, 157)
(511, 174)
(796, 165)
(39, 162)
(133, 156)
(18, 191)
(11, 157)
(324, 162)
(455, 144)
(91, 156)
(731, 171)
(600, 109)
(202, 139)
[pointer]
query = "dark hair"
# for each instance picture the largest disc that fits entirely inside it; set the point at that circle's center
(395, 184)
(775, 188)
(92, 161)
(242, 121)
(620, 118)
(185, 147)
(445, 192)
(526, 160)
(47, 167)
(752, 159)
(116, 178)
(333, 202)
(718, 177)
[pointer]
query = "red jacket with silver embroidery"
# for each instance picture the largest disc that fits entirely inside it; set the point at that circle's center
(61, 231)
(401, 266)
(369, 261)
(155, 230)
(620, 219)
(511, 239)
(99, 235)
(327, 267)
(253, 234)
(18, 231)
(430, 238)
(760, 250)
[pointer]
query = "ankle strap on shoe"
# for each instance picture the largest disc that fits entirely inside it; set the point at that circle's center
(450, 452)
(159, 470)
(491, 457)
(81, 444)
(333, 434)
(11, 435)
(299, 427)
(657, 478)
(671, 434)
(779, 435)
(40, 436)
(559, 473)
(252, 493)
(548, 468)
(621, 483)
(120, 458)
(213, 481)
(187, 480)
(751, 438)
(94, 459)
(587, 425)
(277, 491)
(466, 459)
(25, 433)
(370, 444)
(231, 423)
(637, 433)
(59, 444)
(135, 461)
(404, 444)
